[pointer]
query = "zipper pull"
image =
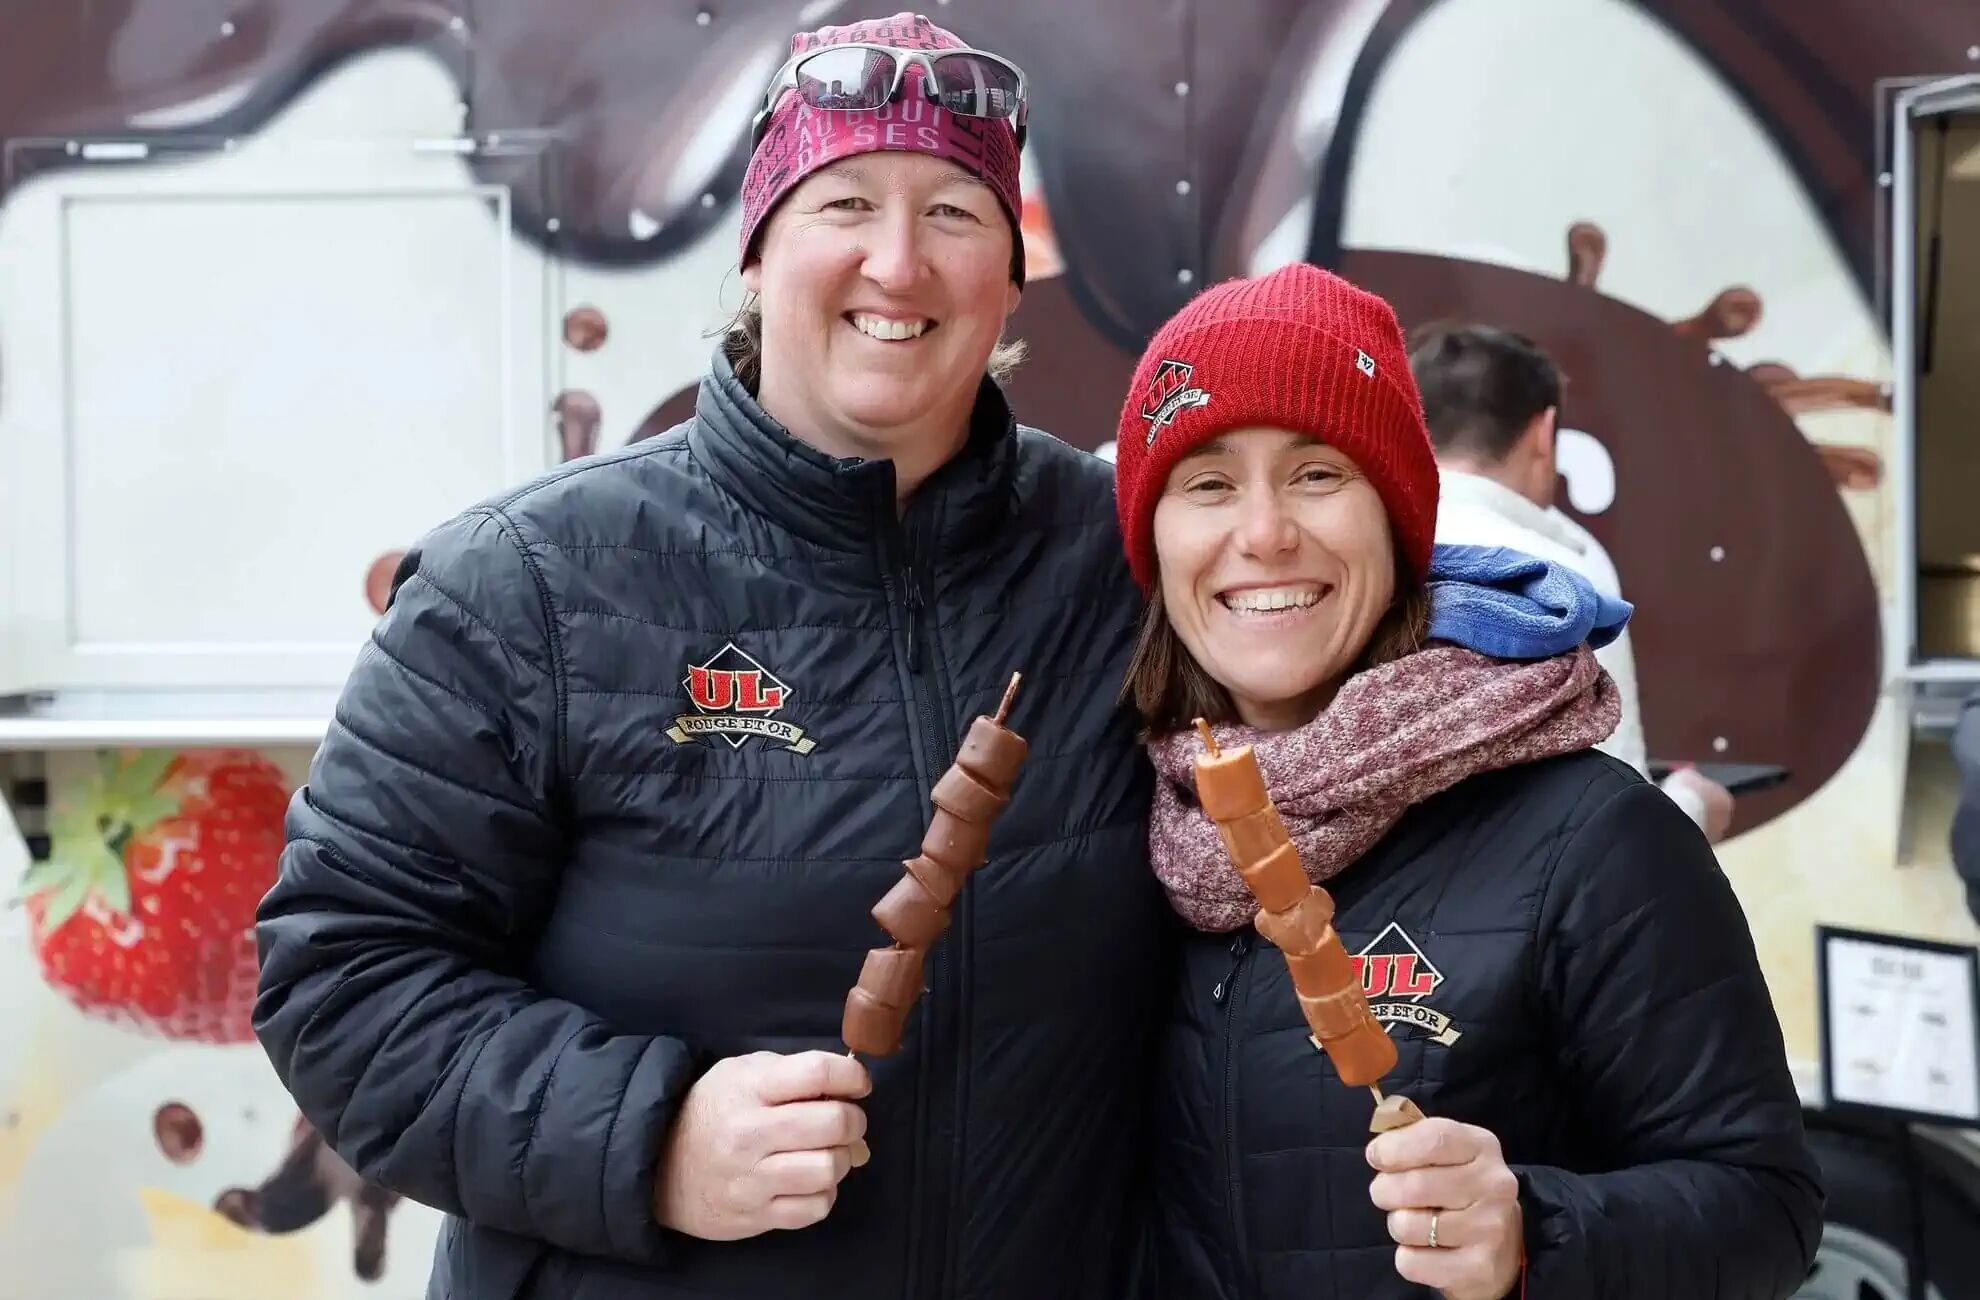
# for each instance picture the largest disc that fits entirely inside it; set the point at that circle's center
(1239, 947)
(913, 623)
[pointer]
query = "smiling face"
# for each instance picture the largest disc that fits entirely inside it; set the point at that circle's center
(1277, 566)
(885, 282)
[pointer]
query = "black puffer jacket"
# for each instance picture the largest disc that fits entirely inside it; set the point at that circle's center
(1561, 962)
(531, 890)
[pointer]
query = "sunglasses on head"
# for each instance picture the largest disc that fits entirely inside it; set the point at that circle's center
(861, 77)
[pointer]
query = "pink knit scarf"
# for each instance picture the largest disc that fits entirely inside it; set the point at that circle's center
(1394, 736)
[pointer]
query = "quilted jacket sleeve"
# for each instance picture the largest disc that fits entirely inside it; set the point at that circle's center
(1669, 1051)
(428, 841)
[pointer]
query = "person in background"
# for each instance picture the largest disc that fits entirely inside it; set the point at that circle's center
(1492, 401)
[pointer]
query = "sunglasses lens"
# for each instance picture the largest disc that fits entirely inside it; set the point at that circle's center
(846, 78)
(973, 86)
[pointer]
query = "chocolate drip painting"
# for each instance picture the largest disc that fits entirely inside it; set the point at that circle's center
(1169, 147)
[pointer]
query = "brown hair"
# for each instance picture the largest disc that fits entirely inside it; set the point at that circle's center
(742, 343)
(1171, 690)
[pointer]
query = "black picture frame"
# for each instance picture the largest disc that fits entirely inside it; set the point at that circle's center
(1900, 943)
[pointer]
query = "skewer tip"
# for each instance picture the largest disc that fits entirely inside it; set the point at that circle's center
(1010, 693)
(1210, 741)
(1376, 1089)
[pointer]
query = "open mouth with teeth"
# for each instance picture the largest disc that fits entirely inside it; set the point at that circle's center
(1260, 601)
(888, 329)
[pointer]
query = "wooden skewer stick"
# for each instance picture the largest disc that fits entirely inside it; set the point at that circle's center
(1392, 1113)
(861, 1153)
(1010, 693)
(1203, 730)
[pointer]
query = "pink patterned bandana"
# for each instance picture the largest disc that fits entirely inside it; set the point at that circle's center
(1394, 736)
(799, 139)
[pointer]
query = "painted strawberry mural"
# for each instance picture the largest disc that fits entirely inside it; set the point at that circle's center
(143, 912)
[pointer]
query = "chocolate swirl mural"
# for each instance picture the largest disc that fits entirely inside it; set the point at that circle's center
(1168, 146)
(1166, 138)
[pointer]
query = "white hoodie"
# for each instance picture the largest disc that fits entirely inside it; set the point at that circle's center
(1473, 510)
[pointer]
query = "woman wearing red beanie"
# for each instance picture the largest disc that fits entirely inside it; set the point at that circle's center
(1566, 976)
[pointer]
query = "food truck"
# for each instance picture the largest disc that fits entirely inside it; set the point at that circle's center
(284, 284)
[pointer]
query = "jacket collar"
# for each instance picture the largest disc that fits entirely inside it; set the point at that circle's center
(1459, 488)
(838, 503)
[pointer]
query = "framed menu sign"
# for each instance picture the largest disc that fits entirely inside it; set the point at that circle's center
(1900, 1025)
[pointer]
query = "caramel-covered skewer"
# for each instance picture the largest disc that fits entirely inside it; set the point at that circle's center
(1297, 916)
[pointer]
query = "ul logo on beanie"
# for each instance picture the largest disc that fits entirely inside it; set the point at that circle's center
(1169, 395)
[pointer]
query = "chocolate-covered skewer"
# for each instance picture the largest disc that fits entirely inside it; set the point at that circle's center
(915, 912)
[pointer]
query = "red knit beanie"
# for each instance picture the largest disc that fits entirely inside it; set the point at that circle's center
(1300, 349)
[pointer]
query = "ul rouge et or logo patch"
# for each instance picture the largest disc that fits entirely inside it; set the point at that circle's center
(1397, 977)
(735, 697)
(1169, 395)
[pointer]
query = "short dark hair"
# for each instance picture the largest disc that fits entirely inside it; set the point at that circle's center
(1481, 386)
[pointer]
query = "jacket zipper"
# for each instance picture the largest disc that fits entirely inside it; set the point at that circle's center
(1239, 946)
(935, 1244)
(1225, 995)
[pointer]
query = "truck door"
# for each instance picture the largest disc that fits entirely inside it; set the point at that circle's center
(236, 377)
(1933, 636)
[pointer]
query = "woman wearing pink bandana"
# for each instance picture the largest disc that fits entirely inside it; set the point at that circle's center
(583, 876)
(1567, 977)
